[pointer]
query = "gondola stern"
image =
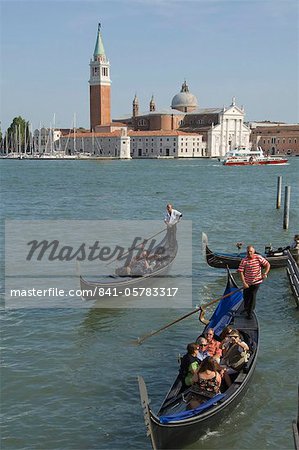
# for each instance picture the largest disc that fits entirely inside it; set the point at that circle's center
(147, 413)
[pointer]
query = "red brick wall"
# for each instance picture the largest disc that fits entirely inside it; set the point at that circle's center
(100, 107)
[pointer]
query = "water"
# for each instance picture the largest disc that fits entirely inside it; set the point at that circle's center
(69, 375)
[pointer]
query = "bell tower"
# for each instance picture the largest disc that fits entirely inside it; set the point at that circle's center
(99, 85)
(135, 106)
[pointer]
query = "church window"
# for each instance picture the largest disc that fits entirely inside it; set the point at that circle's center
(295, 141)
(283, 141)
(290, 140)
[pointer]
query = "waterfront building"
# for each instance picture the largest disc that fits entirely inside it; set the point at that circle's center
(123, 144)
(275, 138)
(166, 144)
(112, 144)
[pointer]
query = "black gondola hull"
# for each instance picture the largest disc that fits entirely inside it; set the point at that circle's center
(176, 437)
(222, 261)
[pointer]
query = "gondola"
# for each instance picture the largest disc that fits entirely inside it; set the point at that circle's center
(277, 258)
(293, 275)
(295, 426)
(175, 425)
(115, 285)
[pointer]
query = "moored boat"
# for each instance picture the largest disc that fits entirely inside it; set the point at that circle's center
(242, 156)
(277, 258)
(177, 423)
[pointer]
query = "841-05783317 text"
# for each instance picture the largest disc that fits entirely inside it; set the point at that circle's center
(137, 292)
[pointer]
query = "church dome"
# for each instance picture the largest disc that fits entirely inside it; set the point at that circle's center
(184, 101)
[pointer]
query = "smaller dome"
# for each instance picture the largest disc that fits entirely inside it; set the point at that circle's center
(184, 101)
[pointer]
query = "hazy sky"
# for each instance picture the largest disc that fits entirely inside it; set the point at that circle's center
(242, 48)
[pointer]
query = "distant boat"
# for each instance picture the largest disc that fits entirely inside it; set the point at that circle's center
(242, 156)
(119, 284)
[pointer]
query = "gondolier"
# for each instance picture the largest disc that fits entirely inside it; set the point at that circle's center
(251, 274)
(171, 218)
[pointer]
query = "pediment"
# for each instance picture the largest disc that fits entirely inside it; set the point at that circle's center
(234, 110)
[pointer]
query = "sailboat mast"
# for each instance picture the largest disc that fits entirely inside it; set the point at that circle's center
(75, 133)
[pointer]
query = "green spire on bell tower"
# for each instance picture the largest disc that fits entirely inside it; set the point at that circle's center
(99, 47)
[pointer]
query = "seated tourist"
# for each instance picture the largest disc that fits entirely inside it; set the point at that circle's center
(226, 330)
(189, 364)
(139, 265)
(207, 378)
(202, 348)
(233, 338)
(235, 352)
(213, 347)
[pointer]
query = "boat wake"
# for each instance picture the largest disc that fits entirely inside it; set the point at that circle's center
(209, 434)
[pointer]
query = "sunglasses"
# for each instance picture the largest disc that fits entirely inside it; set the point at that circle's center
(202, 345)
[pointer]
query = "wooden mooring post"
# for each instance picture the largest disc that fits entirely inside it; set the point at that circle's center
(278, 197)
(286, 212)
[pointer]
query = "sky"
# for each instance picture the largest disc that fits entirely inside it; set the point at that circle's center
(248, 49)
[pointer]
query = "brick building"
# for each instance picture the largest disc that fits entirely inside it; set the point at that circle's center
(275, 138)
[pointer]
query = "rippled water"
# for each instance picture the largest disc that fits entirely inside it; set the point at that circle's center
(69, 375)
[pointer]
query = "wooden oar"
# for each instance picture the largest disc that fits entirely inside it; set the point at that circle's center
(152, 333)
(202, 307)
(134, 248)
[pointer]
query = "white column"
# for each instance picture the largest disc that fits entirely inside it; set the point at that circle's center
(227, 136)
(240, 132)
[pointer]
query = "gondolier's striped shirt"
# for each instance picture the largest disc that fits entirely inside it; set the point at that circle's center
(251, 267)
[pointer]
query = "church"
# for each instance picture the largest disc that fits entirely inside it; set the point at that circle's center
(184, 130)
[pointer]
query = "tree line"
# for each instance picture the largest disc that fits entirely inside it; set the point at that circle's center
(17, 136)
